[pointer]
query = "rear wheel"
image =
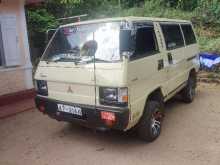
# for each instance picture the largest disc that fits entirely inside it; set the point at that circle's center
(188, 93)
(150, 125)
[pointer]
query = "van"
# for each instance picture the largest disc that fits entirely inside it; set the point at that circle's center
(117, 73)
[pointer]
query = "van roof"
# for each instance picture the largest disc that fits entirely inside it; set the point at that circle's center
(129, 19)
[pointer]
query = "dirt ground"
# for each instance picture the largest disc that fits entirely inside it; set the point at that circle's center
(190, 136)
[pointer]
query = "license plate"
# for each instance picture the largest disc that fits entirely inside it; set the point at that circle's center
(74, 110)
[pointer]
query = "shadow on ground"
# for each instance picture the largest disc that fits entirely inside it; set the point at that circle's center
(86, 135)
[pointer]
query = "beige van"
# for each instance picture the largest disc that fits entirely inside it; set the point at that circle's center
(117, 73)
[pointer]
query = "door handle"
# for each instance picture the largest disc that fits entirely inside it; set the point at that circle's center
(160, 64)
(170, 58)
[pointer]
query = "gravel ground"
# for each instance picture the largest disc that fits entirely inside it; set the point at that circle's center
(190, 136)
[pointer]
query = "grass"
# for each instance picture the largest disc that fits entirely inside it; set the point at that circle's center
(209, 44)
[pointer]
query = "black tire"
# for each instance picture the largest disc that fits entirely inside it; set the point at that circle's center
(188, 93)
(149, 127)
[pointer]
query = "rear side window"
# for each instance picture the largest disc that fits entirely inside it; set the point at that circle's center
(146, 43)
(188, 34)
(172, 35)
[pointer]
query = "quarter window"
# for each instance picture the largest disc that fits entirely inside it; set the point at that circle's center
(146, 43)
(172, 35)
(188, 34)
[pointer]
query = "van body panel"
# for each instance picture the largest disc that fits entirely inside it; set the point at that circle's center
(176, 73)
(76, 83)
(68, 84)
(110, 75)
(192, 57)
(180, 66)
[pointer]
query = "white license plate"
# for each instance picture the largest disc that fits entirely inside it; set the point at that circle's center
(69, 109)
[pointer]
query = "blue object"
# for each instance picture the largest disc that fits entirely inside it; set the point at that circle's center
(209, 60)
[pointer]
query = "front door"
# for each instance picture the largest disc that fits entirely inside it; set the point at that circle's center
(146, 68)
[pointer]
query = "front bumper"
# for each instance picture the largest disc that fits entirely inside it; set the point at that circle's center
(91, 116)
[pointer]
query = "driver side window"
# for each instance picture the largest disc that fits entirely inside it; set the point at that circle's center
(146, 43)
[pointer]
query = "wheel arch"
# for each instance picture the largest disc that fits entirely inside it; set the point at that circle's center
(192, 72)
(155, 95)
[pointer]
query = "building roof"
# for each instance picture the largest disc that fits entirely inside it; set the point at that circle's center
(129, 19)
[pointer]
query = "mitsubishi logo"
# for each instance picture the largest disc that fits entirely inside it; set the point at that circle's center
(70, 90)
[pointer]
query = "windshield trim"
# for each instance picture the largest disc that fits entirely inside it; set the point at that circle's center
(48, 44)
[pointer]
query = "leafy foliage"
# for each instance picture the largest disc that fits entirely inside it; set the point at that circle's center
(205, 14)
(182, 4)
(39, 21)
(209, 11)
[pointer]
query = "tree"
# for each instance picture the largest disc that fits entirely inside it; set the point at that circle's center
(183, 4)
(39, 21)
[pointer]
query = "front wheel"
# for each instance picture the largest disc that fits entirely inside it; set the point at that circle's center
(150, 125)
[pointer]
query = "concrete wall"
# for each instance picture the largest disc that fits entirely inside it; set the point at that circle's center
(18, 78)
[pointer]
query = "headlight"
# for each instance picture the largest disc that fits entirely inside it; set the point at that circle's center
(41, 87)
(113, 96)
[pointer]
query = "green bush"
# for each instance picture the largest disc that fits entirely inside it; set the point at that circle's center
(209, 12)
(209, 44)
(156, 8)
(39, 21)
(205, 15)
(187, 5)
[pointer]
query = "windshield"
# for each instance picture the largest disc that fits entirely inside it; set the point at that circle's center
(84, 43)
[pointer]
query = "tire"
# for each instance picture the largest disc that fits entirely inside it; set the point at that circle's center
(149, 127)
(188, 93)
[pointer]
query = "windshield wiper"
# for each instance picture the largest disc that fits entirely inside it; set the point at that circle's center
(77, 59)
(101, 60)
(62, 59)
(65, 58)
(97, 60)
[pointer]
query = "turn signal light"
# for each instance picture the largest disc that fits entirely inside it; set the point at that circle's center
(125, 99)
